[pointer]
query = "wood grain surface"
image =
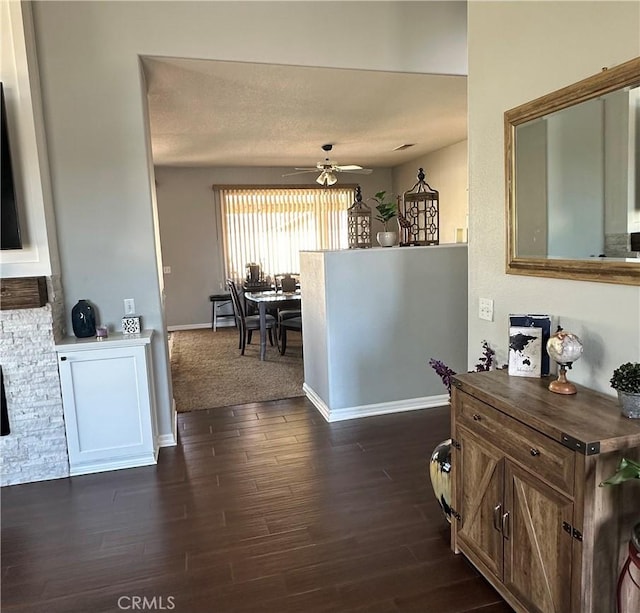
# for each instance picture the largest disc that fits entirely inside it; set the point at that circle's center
(260, 508)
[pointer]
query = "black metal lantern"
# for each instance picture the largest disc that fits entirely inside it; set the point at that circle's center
(419, 219)
(359, 223)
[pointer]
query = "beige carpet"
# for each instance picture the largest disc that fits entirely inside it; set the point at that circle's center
(208, 371)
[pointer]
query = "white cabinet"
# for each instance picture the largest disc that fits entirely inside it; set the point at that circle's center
(109, 408)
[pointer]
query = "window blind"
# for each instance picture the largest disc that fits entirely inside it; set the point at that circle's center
(270, 226)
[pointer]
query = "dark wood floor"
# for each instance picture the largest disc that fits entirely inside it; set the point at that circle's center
(261, 508)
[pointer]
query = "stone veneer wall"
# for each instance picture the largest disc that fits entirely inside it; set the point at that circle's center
(36, 449)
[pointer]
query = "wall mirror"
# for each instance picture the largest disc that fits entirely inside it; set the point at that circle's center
(573, 180)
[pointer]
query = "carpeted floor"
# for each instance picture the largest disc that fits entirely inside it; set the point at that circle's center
(208, 371)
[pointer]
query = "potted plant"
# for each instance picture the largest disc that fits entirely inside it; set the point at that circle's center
(627, 470)
(386, 212)
(626, 381)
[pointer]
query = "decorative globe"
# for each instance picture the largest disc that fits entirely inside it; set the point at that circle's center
(564, 347)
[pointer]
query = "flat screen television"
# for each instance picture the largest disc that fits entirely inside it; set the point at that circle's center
(9, 222)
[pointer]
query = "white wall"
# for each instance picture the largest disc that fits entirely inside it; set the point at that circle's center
(446, 170)
(518, 62)
(97, 135)
(190, 229)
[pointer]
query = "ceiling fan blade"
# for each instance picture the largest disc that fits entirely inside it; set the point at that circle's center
(361, 171)
(348, 167)
(300, 172)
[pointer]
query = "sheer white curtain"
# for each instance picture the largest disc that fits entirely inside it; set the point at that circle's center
(270, 226)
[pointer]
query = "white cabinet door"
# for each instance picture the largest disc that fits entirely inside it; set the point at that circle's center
(108, 408)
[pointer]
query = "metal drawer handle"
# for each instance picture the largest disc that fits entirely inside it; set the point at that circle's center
(63, 358)
(534, 452)
(476, 417)
(505, 525)
(497, 512)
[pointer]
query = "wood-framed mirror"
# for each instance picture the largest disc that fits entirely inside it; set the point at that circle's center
(572, 172)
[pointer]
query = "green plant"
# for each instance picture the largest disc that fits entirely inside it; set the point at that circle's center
(627, 471)
(626, 378)
(386, 210)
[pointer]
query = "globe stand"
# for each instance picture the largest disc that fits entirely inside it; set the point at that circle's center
(561, 385)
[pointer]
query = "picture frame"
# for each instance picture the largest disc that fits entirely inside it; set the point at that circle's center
(525, 351)
(545, 323)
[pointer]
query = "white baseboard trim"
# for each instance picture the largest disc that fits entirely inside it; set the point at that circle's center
(170, 440)
(369, 410)
(223, 323)
(188, 327)
(87, 468)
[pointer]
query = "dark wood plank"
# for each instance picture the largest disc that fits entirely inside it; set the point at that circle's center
(23, 293)
(262, 508)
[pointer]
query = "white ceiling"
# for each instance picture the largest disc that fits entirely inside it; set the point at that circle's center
(214, 113)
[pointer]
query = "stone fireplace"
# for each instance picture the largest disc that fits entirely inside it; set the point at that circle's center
(36, 448)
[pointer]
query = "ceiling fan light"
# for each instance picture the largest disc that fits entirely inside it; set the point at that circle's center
(326, 178)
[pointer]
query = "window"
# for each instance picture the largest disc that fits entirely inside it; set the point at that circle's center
(270, 226)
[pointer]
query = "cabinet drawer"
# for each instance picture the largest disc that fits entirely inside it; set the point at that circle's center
(535, 451)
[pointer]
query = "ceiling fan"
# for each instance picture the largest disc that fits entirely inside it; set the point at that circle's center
(328, 169)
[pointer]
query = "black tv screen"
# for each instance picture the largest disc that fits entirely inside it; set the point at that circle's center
(9, 223)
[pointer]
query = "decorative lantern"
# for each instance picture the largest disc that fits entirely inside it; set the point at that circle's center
(419, 217)
(359, 223)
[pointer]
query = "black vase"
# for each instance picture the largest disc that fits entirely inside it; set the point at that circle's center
(83, 319)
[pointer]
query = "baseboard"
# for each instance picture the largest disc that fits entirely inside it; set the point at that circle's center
(170, 440)
(223, 323)
(188, 327)
(146, 459)
(369, 410)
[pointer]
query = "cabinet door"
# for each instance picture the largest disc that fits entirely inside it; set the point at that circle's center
(479, 484)
(106, 397)
(537, 559)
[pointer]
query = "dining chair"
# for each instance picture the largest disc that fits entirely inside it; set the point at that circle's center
(247, 323)
(283, 314)
(293, 323)
(287, 283)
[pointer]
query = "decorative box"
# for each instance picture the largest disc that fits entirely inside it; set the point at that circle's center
(131, 324)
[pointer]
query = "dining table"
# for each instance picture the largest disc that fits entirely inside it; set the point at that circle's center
(267, 300)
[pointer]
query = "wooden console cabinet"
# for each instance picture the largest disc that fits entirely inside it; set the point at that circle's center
(528, 511)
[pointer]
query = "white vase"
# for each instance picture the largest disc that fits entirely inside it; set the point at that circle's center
(386, 239)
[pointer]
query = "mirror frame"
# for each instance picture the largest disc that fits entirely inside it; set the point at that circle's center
(600, 270)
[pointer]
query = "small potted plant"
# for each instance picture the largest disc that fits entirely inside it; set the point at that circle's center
(626, 381)
(386, 212)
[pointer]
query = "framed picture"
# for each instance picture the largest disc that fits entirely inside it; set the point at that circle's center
(545, 323)
(525, 351)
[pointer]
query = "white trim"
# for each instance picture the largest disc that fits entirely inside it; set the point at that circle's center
(230, 323)
(317, 402)
(146, 459)
(369, 410)
(188, 327)
(170, 440)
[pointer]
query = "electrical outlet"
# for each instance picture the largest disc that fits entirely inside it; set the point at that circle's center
(129, 306)
(166, 270)
(485, 309)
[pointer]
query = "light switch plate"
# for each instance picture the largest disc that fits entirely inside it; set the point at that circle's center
(485, 309)
(129, 306)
